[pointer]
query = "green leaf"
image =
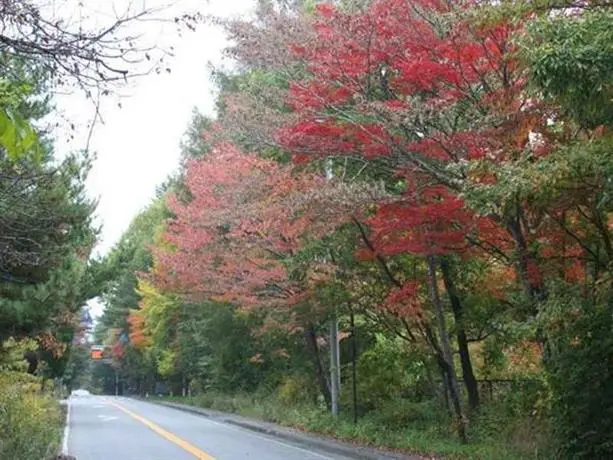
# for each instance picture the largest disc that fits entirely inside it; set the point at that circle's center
(4, 123)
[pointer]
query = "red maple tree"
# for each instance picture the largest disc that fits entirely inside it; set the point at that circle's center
(431, 97)
(244, 218)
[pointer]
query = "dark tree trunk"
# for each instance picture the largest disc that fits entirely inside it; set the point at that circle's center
(468, 375)
(535, 291)
(311, 339)
(32, 358)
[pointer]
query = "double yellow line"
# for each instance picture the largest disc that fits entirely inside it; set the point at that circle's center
(199, 454)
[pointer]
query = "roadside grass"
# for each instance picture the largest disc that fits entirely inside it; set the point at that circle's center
(417, 428)
(31, 421)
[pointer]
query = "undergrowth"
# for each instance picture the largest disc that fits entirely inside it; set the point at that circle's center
(30, 420)
(422, 428)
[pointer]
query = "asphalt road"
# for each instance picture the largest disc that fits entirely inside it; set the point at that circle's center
(108, 428)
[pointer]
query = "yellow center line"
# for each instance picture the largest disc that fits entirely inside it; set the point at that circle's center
(165, 434)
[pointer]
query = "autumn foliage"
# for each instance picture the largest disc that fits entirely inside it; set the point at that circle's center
(398, 81)
(244, 217)
(393, 163)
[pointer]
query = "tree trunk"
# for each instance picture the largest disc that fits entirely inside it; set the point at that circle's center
(446, 347)
(311, 339)
(535, 291)
(32, 358)
(468, 375)
(440, 361)
(442, 365)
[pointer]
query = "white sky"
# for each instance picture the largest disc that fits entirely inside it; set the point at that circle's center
(137, 147)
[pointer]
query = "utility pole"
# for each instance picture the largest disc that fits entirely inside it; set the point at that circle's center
(354, 372)
(116, 382)
(335, 371)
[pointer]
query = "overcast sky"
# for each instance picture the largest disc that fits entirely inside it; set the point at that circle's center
(137, 146)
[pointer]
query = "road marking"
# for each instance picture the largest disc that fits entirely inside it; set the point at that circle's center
(66, 428)
(270, 439)
(245, 431)
(107, 418)
(291, 446)
(165, 434)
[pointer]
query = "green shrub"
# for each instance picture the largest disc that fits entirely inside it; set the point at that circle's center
(580, 366)
(293, 391)
(216, 401)
(385, 372)
(525, 433)
(30, 421)
(404, 413)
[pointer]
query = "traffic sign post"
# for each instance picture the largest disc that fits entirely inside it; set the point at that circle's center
(97, 352)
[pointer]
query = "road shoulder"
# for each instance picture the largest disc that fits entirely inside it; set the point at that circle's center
(307, 440)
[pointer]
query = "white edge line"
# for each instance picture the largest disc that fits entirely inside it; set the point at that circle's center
(268, 438)
(281, 443)
(66, 428)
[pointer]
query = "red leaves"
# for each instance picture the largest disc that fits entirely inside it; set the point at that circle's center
(425, 75)
(372, 140)
(244, 217)
(534, 273)
(433, 222)
(117, 351)
(324, 128)
(316, 94)
(213, 235)
(376, 74)
(391, 52)
(430, 148)
(404, 301)
(325, 137)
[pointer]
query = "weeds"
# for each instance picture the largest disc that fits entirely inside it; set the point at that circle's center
(30, 421)
(402, 425)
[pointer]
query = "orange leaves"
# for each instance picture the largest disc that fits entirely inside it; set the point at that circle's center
(575, 271)
(524, 358)
(609, 218)
(51, 343)
(256, 359)
(326, 10)
(114, 343)
(138, 338)
(320, 273)
(497, 282)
